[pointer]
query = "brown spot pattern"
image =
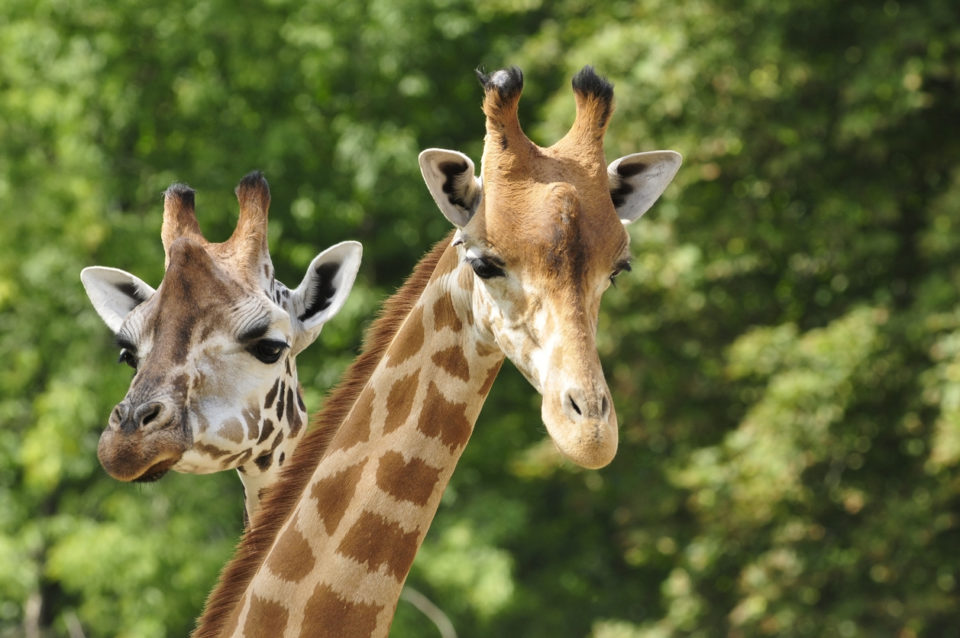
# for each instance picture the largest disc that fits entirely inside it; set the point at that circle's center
(491, 377)
(358, 430)
(277, 441)
(266, 431)
(453, 362)
(263, 461)
(252, 416)
(400, 401)
(291, 558)
(333, 495)
(484, 350)
(280, 402)
(209, 450)
(271, 395)
(327, 613)
(442, 419)
(376, 542)
(232, 430)
(265, 618)
(296, 420)
(445, 316)
(240, 458)
(413, 481)
(409, 340)
(207, 332)
(179, 385)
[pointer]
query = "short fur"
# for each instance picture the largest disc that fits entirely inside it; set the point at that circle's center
(284, 496)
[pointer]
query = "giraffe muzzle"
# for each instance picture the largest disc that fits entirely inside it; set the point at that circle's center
(582, 424)
(142, 441)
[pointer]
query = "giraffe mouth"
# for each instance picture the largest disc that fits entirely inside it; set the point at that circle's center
(156, 471)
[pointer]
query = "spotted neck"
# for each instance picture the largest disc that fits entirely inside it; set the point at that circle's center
(337, 564)
(279, 430)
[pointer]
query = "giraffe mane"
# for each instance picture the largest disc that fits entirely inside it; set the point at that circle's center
(283, 497)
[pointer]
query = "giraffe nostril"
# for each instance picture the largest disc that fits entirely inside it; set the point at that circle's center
(148, 413)
(604, 406)
(573, 404)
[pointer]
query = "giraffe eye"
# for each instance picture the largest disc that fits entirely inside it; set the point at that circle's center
(128, 352)
(485, 267)
(128, 357)
(267, 350)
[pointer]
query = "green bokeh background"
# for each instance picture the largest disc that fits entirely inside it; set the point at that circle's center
(784, 357)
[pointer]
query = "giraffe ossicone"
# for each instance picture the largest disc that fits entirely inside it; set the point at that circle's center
(214, 347)
(539, 237)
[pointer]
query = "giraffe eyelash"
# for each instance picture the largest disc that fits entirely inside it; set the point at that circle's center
(128, 352)
(485, 267)
(620, 267)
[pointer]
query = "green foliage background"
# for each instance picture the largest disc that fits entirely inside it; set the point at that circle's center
(785, 355)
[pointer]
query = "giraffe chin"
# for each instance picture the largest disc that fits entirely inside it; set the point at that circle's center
(136, 457)
(156, 471)
(588, 451)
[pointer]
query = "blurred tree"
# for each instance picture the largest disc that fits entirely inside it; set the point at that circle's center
(785, 356)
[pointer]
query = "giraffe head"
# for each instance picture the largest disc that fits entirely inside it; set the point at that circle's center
(541, 237)
(214, 346)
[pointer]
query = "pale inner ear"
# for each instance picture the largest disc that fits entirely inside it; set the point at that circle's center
(638, 180)
(325, 288)
(114, 293)
(450, 178)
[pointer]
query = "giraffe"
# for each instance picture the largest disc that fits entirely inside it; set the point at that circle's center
(537, 239)
(214, 348)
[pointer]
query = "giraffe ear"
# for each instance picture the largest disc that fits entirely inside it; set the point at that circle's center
(324, 289)
(450, 177)
(114, 293)
(638, 180)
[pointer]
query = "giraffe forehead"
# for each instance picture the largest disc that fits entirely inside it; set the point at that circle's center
(555, 227)
(196, 275)
(199, 291)
(555, 199)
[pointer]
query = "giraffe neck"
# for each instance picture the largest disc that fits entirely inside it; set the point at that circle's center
(337, 564)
